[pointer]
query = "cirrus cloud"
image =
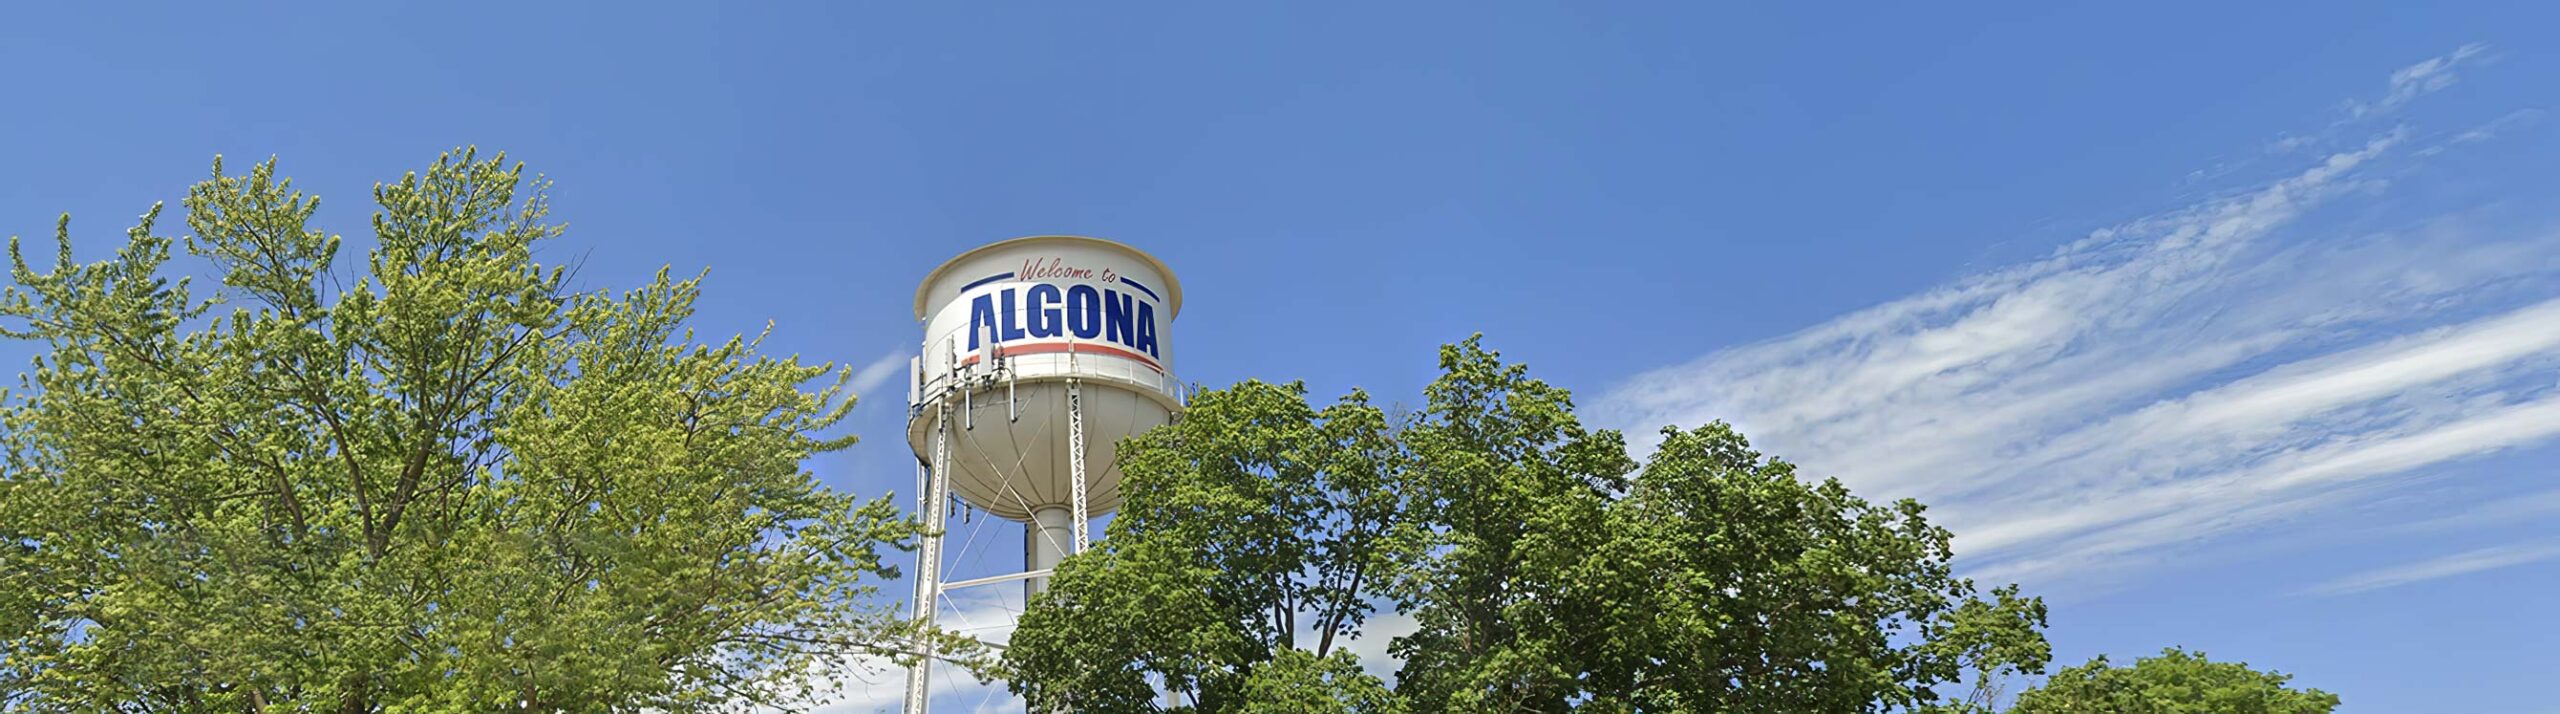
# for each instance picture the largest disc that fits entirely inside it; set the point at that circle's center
(2209, 369)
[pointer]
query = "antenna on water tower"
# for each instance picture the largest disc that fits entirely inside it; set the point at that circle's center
(1040, 355)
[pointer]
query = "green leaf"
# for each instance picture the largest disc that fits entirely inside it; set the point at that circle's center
(436, 480)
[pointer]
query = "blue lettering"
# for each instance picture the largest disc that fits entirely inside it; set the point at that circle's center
(1084, 312)
(1146, 339)
(1116, 313)
(1045, 310)
(1040, 300)
(982, 315)
(1012, 329)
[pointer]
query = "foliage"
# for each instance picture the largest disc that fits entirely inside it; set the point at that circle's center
(2175, 682)
(1516, 494)
(1543, 570)
(1299, 682)
(451, 485)
(1253, 519)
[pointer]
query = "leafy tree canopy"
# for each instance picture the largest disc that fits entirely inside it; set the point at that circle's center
(437, 481)
(1543, 569)
(1267, 525)
(2175, 682)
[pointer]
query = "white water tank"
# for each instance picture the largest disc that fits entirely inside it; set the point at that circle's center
(1007, 327)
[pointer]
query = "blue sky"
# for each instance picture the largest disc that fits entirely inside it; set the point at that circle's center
(2228, 326)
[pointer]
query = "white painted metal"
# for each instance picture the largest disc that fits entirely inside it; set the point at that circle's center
(1129, 388)
(1077, 501)
(929, 558)
(1045, 542)
(1071, 334)
(993, 579)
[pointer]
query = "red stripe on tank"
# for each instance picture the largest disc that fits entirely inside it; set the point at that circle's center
(1078, 347)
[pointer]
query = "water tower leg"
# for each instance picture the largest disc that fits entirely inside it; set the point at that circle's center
(1057, 532)
(1075, 462)
(937, 498)
(1044, 543)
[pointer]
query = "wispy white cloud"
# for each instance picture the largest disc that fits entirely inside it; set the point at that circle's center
(865, 686)
(2490, 130)
(988, 613)
(2284, 144)
(2421, 79)
(2464, 563)
(878, 373)
(2494, 513)
(2208, 369)
(1375, 636)
(2268, 407)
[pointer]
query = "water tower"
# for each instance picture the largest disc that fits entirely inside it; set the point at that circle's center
(1040, 354)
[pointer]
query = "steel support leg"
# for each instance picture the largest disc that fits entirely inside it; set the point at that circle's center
(1075, 464)
(929, 557)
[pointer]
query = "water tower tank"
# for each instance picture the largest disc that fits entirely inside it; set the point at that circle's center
(1040, 354)
(1035, 349)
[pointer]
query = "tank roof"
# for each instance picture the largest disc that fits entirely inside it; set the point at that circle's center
(1172, 288)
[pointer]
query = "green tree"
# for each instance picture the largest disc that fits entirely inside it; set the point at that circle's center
(1713, 579)
(1300, 682)
(1543, 569)
(1514, 494)
(441, 481)
(2175, 682)
(1253, 520)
